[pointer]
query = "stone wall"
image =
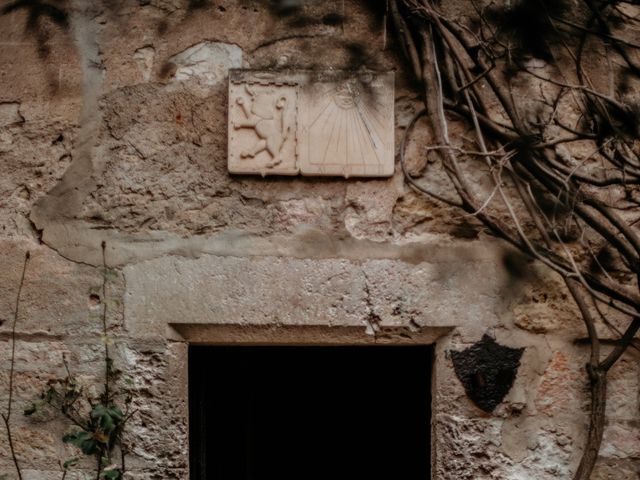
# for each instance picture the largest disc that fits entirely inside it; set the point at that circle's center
(113, 128)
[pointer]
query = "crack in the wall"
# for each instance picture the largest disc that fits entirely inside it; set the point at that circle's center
(80, 242)
(372, 320)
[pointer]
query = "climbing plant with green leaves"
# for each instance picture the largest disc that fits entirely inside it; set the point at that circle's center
(97, 423)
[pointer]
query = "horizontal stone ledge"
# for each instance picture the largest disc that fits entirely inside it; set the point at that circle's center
(321, 335)
(80, 242)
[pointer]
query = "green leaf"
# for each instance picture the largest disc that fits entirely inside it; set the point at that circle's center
(109, 364)
(72, 462)
(89, 447)
(111, 474)
(50, 393)
(70, 438)
(106, 423)
(30, 410)
(116, 413)
(83, 440)
(107, 419)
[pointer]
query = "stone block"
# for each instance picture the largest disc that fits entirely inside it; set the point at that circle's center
(288, 291)
(58, 296)
(206, 63)
(10, 113)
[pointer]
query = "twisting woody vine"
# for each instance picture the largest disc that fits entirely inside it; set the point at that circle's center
(6, 417)
(575, 214)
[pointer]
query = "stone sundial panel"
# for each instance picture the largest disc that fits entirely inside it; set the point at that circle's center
(328, 123)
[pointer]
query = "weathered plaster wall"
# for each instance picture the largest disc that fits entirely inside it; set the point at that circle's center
(114, 129)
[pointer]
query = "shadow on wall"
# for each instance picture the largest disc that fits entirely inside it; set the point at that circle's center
(43, 18)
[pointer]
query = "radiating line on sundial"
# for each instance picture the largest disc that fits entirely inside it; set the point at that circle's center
(369, 140)
(340, 133)
(358, 134)
(320, 114)
(346, 129)
(333, 126)
(375, 118)
(366, 124)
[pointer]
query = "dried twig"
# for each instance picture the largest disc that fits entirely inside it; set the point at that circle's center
(6, 417)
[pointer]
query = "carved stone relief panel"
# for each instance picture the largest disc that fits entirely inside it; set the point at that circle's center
(311, 123)
(262, 125)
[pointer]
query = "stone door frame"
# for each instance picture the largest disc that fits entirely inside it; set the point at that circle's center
(315, 335)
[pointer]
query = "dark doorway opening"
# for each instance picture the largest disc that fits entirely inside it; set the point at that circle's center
(310, 413)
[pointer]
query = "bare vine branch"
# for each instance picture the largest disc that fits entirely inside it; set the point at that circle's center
(538, 188)
(6, 417)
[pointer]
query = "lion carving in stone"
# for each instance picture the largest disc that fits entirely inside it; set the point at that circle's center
(268, 117)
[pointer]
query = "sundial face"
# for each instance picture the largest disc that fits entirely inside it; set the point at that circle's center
(311, 123)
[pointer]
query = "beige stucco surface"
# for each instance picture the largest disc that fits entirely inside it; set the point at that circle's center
(117, 132)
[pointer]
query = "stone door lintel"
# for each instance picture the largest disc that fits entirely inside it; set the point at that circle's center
(320, 335)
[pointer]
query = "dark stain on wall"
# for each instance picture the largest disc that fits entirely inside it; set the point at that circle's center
(487, 371)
